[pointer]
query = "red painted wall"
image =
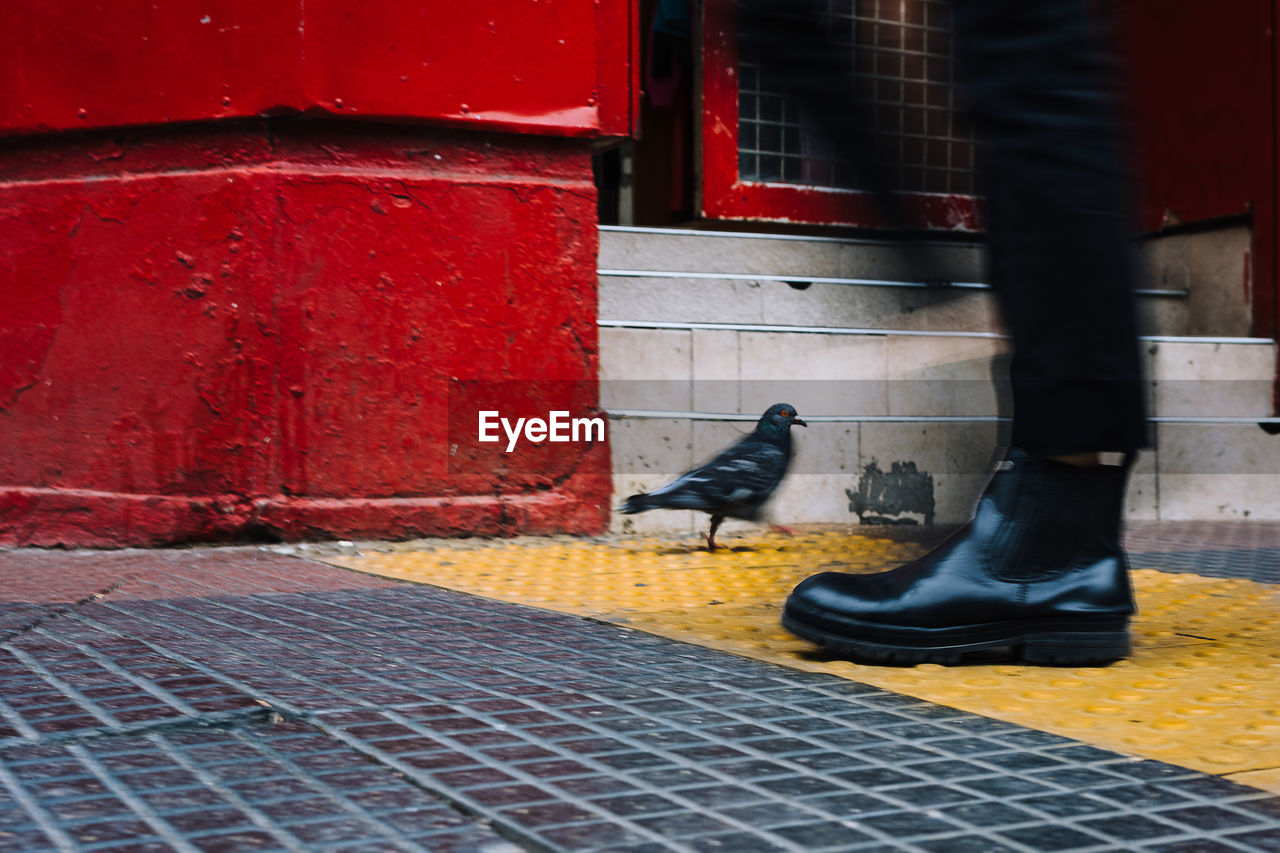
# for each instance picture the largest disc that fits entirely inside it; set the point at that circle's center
(554, 66)
(250, 327)
(252, 332)
(1200, 101)
(1203, 101)
(724, 195)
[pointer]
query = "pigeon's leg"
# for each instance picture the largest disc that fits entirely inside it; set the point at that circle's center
(711, 534)
(782, 528)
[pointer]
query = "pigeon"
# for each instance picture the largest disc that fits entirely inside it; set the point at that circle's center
(734, 484)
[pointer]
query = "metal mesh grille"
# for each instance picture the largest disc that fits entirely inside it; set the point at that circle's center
(900, 61)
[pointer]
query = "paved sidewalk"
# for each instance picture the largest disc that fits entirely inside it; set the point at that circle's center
(241, 699)
(1199, 690)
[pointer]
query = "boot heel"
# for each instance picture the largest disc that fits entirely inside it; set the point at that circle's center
(1075, 648)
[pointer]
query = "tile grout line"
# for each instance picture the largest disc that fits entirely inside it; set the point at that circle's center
(762, 755)
(68, 690)
(139, 806)
(205, 720)
(1121, 758)
(484, 759)
(725, 647)
(19, 722)
(260, 617)
(43, 819)
(395, 834)
(256, 816)
(152, 689)
(311, 718)
(574, 756)
(64, 610)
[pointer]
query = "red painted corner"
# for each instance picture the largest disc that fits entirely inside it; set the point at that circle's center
(262, 345)
(564, 68)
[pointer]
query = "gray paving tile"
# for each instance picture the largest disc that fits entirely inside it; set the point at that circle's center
(412, 718)
(1199, 845)
(1257, 564)
(1052, 837)
(1262, 839)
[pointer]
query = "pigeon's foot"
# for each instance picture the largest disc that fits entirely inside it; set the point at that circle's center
(1039, 571)
(716, 520)
(782, 528)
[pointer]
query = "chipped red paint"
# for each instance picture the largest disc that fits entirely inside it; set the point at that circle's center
(251, 331)
(725, 196)
(562, 67)
(236, 295)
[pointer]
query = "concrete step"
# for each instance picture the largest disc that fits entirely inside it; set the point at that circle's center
(709, 276)
(927, 408)
(899, 383)
(685, 250)
(919, 472)
(723, 368)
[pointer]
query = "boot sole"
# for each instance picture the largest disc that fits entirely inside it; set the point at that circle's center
(1045, 642)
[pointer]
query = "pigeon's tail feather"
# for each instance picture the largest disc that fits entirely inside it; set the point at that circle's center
(636, 503)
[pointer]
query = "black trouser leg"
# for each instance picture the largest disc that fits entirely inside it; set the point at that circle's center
(1040, 88)
(1040, 569)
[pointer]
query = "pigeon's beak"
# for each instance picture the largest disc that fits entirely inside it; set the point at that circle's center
(799, 422)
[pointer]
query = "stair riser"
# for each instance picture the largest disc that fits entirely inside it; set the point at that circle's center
(702, 300)
(722, 371)
(1192, 472)
(773, 255)
(934, 353)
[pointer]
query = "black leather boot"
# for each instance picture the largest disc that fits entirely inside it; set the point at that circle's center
(1040, 569)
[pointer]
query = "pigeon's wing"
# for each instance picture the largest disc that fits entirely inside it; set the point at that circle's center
(738, 480)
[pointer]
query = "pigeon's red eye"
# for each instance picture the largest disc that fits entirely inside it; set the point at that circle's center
(786, 413)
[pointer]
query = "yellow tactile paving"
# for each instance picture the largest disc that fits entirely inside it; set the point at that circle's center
(1202, 689)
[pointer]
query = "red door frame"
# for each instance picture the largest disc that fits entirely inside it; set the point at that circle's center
(1266, 214)
(722, 194)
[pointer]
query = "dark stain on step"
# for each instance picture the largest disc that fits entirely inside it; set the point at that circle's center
(901, 495)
